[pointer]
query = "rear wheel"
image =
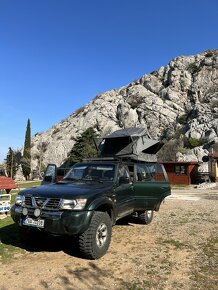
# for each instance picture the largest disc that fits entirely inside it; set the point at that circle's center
(95, 241)
(146, 217)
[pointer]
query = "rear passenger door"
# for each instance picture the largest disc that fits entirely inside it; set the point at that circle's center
(151, 186)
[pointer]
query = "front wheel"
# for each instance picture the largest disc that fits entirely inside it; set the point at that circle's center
(95, 241)
(146, 217)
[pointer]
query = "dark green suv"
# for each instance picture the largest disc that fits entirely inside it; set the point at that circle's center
(90, 198)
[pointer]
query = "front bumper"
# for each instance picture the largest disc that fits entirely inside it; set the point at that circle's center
(57, 222)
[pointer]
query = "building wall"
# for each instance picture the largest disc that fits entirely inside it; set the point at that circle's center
(190, 176)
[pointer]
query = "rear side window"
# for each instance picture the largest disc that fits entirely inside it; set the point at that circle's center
(143, 173)
(151, 172)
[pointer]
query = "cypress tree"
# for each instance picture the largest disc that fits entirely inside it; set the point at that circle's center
(11, 164)
(26, 159)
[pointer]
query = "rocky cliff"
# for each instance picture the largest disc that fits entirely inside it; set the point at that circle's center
(181, 97)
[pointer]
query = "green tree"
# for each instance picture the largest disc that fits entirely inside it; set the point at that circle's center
(84, 146)
(42, 147)
(26, 159)
(193, 142)
(11, 164)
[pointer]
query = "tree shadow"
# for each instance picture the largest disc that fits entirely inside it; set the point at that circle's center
(86, 277)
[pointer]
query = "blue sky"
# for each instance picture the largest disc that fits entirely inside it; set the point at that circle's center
(56, 55)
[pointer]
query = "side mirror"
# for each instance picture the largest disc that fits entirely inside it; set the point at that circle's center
(123, 180)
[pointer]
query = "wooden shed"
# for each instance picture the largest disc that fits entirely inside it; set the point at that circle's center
(182, 172)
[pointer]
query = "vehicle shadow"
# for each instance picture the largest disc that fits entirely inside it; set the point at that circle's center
(86, 276)
(36, 241)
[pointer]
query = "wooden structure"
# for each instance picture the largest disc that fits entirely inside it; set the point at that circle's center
(181, 172)
(6, 183)
(213, 166)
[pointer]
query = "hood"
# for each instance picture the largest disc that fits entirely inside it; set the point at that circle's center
(68, 190)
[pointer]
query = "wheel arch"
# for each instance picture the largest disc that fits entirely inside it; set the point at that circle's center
(104, 205)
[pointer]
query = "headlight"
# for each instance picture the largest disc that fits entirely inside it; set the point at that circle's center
(73, 203)
(19, 199)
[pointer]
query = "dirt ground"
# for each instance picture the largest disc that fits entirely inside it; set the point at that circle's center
(178, 250)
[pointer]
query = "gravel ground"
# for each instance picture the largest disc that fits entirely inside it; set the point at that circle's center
(178, 250)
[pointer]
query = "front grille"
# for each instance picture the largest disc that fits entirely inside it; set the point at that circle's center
(53, 203)
(28, 201)
(42, 202)
(39, 201)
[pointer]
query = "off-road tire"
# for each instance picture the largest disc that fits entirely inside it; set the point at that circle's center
(146, 217)
(95, 241)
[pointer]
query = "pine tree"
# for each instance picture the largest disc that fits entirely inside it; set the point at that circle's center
(26, 159)
(11, 164)
(84, 146)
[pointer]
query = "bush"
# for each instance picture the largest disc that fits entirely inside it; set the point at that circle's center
(193, 142)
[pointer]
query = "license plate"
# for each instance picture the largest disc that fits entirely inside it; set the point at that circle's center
(33, 223)
(4, 208)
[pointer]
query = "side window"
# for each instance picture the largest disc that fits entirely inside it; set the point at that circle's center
(158, 172)
(131, 172)
(143, 173)
(123, 172)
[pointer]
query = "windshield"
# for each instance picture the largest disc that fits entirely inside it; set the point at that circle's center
(102, 172)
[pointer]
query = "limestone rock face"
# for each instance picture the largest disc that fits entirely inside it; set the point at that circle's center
(181, 96)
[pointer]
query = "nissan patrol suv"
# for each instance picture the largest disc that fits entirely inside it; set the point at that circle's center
(92, 196)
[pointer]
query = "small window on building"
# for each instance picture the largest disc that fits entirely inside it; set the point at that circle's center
(180, 170)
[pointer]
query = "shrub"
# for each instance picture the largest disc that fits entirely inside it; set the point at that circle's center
(193, 142)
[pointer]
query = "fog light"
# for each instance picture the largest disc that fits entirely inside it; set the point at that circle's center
(25, 211)
(37, 212)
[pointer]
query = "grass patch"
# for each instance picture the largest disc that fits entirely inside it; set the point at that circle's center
(205, 276)
(211, 248)
(28, 184)
(176, 244)
(9, 239)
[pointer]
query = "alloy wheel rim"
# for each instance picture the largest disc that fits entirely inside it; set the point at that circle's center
(149, 213)
(101, 235)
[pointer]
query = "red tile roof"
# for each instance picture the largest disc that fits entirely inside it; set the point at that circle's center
(7, 183)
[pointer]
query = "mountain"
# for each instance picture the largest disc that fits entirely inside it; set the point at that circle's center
(180, 97)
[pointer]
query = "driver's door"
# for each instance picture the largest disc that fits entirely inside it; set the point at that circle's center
(50, 174)
(124, 192)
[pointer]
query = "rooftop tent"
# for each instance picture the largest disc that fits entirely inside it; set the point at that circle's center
(134, 143)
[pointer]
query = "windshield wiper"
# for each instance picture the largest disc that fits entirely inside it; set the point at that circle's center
(92, 178)
(71, 179)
